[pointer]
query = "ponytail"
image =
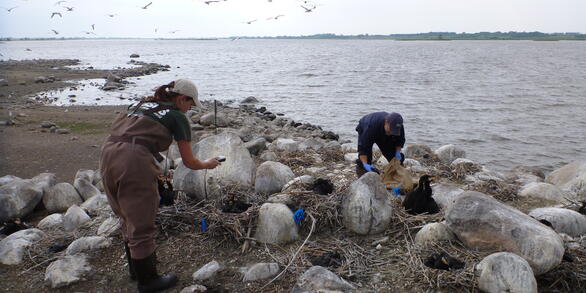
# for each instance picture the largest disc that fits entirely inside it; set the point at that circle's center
(162, 94)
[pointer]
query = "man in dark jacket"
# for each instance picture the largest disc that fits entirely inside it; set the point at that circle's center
(384, 129)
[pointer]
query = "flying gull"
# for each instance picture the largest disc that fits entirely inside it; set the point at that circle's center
(146, 6)
(308, 9)
(56, 32)
(10, 9)
(56, 13)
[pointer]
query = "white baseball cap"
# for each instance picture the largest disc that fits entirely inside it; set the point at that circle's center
(188, 88)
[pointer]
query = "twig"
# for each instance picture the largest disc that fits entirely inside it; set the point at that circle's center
(296, 253)
(37, 265)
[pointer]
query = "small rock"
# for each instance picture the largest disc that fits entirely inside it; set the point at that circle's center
(67, 270)
(62, 131)
(47, 124)
(194, 288)
(109, 227)
(51, 221)
(261, 271)
(319, 279)
(74, 217)
(134, 55)
(275, 224)
(434, 232)
(208, 271)
(87, 244)
(249, 100)
(12, 247)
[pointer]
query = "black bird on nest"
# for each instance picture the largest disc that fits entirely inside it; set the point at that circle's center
(419, 200)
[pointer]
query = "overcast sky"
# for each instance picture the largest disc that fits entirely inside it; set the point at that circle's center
(193, 18)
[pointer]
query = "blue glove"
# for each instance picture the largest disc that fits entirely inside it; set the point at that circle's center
(367, 167)
(398, 155)
(396, 190)
(298, 216)
(204, 225)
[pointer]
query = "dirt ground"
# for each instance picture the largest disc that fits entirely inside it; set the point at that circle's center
(27, 149)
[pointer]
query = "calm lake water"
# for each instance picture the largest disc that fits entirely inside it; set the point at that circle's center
(507, 103)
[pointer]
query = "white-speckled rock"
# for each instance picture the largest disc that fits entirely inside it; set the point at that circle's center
(271, 177)
(194, 289)
(434, 232)
(97, 204)
(482, 222)
(208, 271)
(261, 271)
(563, 220)
(110, 226)
(74, 218)
(52, 221)
(571, 177)
(13, 246)
(367, 207)
(545, 191)
(88, 244)
(448, 153)
(238, 169)
(444, 194)
(350, 157)
(59, 197)
(83, 183)
(67, 270)
(505, 272)
(319, 279)
(275, 224)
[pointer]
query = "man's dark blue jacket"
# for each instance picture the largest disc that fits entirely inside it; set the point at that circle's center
(371, 130)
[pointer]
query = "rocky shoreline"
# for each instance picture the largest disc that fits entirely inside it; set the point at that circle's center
(354, 237)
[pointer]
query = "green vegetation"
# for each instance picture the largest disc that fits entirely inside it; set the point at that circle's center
(82, 127)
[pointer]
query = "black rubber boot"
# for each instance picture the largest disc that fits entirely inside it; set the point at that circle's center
(148, 279)
(130, 263)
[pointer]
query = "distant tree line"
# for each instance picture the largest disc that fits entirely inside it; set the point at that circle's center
(445, 36)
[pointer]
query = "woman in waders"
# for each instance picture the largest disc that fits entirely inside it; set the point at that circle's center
(129, 172)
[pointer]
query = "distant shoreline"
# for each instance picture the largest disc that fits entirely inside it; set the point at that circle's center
(431, 36)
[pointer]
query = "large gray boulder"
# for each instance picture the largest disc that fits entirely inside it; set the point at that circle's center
(238, 169)
(19, 197)
(544, 191)
(319, 279)
(571, 177)
(67, 270)
(83, 184)
(74, 218)
(563, 220)
(505, 272)
(275, 224)
(271, 177)
(444, 194)
(261, 271)
(482, 222)
(87, 244)
(366, 207)
(60, 197)
(12, 247)
(448, 153)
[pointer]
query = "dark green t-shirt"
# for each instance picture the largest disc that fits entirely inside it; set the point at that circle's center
(173, 119)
